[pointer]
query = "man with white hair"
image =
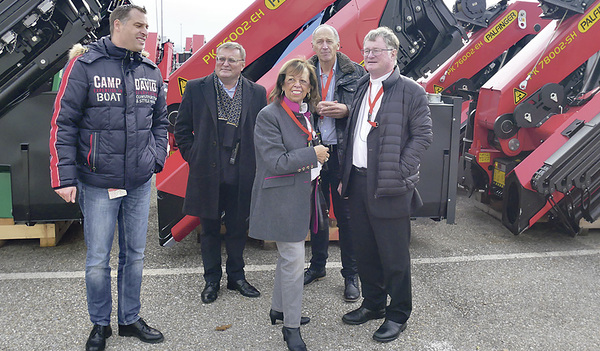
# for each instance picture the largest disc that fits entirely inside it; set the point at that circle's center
(389, 129)
(338, 78)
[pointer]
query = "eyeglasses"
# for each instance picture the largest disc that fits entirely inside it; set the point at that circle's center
(375, 52)
(231, 60)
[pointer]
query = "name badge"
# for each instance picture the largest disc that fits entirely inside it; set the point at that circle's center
(116, 193)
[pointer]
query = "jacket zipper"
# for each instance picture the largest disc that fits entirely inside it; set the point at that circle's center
(93, 154)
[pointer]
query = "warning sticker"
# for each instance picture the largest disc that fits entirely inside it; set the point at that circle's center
(485, 157)
(519, 95)
(182, 83)
(437, 89)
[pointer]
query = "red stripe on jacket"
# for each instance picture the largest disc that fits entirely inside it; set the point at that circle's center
(54, 174)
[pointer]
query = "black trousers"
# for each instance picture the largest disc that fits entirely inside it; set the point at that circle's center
(235, 238)
(330, 179)
(382, 252)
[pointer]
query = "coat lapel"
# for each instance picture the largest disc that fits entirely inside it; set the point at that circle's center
(246, 100)
(208, 90)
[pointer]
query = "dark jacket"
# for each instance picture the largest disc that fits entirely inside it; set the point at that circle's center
(394, 148)
(109, 126)
(347, 75)
(280, 208)
(197, 137)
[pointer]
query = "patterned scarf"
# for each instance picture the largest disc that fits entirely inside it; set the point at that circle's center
(230, 110)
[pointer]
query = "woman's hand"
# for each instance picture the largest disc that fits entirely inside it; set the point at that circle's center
(322, 153)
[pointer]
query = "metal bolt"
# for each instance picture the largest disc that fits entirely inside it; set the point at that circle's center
(43, 61)
(398, 28)
(514, 144)
(408, 18)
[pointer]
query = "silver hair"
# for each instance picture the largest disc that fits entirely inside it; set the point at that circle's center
(388, 36)
(335, 32)
(233, 45)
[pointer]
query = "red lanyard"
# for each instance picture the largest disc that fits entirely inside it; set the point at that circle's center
(326, 87)
(372, 104)
(295, 119)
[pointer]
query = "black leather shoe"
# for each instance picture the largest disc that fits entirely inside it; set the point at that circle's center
(210, 292)
(293, 339)
(351, 291)
(362, 315)
(275, 316)
(310, 275)
(389, 331)
(142, 331)
(244, 288)
(97, 339)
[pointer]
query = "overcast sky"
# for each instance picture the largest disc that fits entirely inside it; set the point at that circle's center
(184, 18)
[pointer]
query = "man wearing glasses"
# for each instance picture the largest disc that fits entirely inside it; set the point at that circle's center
(215, 135)
(389, 128)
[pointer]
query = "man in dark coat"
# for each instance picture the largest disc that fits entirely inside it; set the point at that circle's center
(215, 135)
(338, 78)
(388, 131)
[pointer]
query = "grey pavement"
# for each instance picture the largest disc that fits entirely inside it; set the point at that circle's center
(476, 286)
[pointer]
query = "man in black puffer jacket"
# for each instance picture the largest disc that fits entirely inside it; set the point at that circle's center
(389, 128)
(108, 136)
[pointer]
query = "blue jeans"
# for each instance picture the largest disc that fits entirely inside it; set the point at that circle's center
(100, 215)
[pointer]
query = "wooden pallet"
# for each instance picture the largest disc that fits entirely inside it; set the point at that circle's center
(48, 233)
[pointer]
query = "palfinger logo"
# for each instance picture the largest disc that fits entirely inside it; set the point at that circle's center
(588, 21)
(273, 4)
(498, 28)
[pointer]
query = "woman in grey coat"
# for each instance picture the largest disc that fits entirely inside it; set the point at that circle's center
(286, 163)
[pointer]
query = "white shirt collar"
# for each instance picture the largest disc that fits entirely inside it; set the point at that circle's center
(232, 89)
(380, 80)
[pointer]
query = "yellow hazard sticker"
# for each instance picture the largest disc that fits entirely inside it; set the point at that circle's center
(519, 95)
(437, 89)
(499, 177)
(182, 83)
(485, 157)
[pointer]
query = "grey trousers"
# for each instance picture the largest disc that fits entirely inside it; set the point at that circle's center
(289, 282)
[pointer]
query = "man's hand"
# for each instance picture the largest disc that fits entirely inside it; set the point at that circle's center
(68, 194)
(322, 153)
(332, 109)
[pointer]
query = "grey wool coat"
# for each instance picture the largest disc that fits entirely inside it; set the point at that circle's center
(280, 205)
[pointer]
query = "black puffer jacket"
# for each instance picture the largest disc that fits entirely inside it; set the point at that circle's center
(109, 126)
(396, 146)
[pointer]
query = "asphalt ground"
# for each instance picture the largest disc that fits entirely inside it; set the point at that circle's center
(476, 286)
